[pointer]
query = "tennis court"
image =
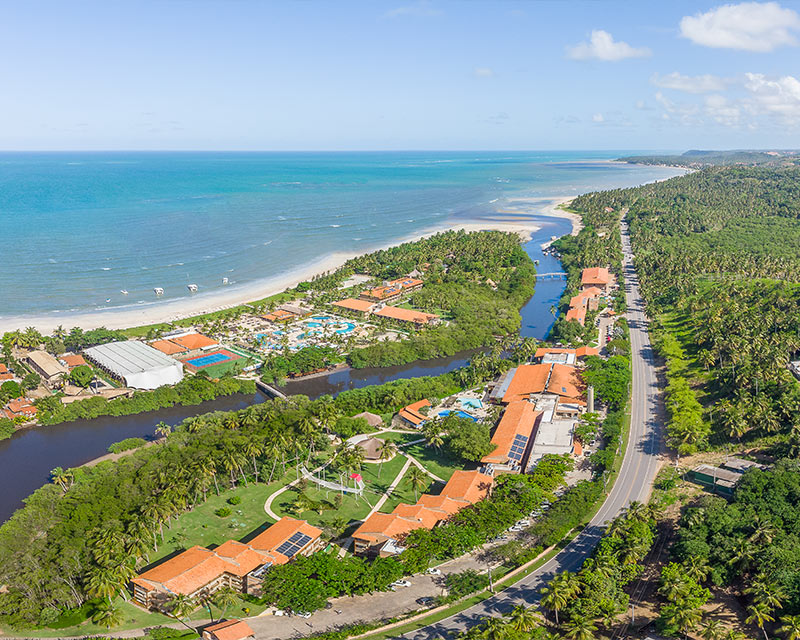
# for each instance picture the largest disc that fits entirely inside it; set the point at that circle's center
(210, 359)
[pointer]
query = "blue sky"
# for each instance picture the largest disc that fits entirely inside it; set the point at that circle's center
(410, 74)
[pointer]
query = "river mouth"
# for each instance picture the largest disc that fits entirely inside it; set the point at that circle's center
(27, 458)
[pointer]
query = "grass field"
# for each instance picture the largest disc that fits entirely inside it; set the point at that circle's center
(377, 480)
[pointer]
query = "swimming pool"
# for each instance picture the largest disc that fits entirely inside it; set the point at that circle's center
(210, 359)
(472, 403)
(459, 413)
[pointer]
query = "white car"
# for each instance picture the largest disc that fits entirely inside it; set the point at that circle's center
(433, 571)
(303, 614)
(524, 523)
(401, 583)
(515, 529)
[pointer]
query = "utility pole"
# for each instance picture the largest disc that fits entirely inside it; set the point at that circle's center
(489, 572)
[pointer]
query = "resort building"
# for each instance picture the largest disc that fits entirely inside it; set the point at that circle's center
(229, 630)
(528, 380)
(136, 364)
(288, 313)
(382, 533)
(73, 360)
(240, 566)
(194, 342)
(557, 355)
(392, 290)
(512, 438)
(5, 374)
(411, 415)
(20, 408)
(354, 305)
(169, 348)
(578, 314)
(419, 318)
(598, 277)
(49, 369)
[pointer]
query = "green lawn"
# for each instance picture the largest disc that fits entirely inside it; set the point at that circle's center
(437, 462)
(202, 526)
(377, 480)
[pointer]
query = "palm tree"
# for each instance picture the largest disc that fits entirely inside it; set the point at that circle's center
(386, 452)
(523, 619)
(417, 479)
(791, 627)
(579, 628)
(181, 606)
(713, 630)
(495, 629)
(63, 478)
(760, 614)
(104, 582)
(163, 430)
(561, 589)
(697, 568)
(252, 449)
(224, 599)
(107, 615)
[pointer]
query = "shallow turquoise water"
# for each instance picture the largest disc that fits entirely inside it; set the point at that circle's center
(78, 228)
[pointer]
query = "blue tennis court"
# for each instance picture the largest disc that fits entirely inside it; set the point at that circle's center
(211, 359)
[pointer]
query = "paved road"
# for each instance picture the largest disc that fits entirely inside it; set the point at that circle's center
(639, 468)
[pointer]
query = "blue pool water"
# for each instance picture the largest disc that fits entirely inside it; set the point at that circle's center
(211, 358)
(459, 413)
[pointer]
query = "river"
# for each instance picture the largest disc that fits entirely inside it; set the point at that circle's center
(27, 458)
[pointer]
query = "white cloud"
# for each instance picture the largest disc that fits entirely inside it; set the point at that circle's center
(750, 26)
(598, 117)
(690, 84)
(775, 97)
(483, 72)
(602, 46)
(722, 110)
(421, 9)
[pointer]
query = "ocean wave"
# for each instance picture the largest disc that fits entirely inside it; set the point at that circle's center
(335, 226)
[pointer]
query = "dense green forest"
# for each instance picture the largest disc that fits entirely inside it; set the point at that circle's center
(716, 253)
(698, 158)
(479, 281)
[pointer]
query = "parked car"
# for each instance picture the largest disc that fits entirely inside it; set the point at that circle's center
(426, 601)
(524, 523)
(433, 571)
(401, 583)
(303, 614)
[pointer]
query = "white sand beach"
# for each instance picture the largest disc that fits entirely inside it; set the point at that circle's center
(172, 310)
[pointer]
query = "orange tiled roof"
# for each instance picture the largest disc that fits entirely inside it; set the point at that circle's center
(528, 379)
(577, 313)
(593, 292)
(595, 275)
(541, 352)
(440, 503)
(279, 315)
(564, 381)
(470, 486)
(6, 376)
(230, 630)
(21, 406)
(519, 418)
(73, 361)
(406, 315)
(3, 368)
(427, 517)
(194, 341)
(393, 287)
(412, 412)
(168, 347)
(281, 531)
(185, 573)
(244, 558)
(354, 305)
(582, 352)
(379, 527)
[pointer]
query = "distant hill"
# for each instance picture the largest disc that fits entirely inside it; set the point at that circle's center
(697, 159)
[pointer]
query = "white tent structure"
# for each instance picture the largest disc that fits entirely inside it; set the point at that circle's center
(138, 364)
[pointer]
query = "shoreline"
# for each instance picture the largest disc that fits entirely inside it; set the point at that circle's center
(175, 310)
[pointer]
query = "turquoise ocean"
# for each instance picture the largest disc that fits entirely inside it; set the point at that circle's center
(77, 228)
